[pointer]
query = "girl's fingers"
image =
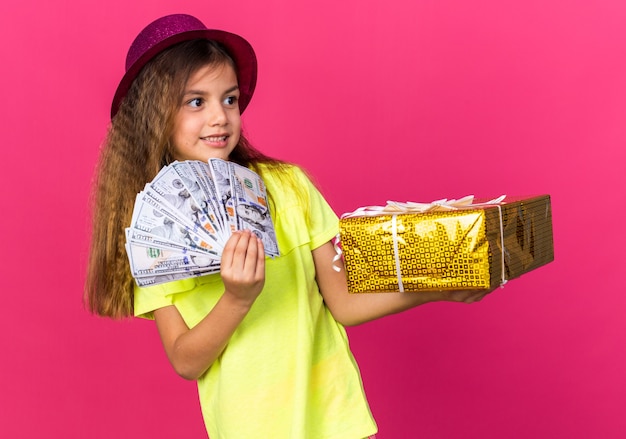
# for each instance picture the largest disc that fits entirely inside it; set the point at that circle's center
(476, 296)
(249, 253)
(243, 265)
(229, 250)
(260, 260)
(244, 254)
(254, 262)
(235, 248)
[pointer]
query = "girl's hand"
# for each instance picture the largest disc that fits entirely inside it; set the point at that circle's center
(466, 296)
(243, 266)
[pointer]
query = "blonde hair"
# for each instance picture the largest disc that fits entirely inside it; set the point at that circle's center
(137, 146)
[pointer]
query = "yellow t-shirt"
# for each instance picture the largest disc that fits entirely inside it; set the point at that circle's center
(287, 372)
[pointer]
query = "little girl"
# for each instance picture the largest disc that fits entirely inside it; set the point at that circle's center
(264, 339)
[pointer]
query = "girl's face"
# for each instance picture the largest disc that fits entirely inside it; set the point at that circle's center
(208, 123)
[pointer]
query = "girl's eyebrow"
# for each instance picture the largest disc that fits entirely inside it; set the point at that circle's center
(204, 93)
(232, 89)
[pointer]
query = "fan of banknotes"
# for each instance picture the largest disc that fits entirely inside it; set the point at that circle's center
(183, 218)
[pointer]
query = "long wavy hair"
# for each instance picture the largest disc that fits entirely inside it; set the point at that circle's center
(138, 145)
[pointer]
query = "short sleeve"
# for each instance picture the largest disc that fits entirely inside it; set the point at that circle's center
(323, 222)
(301, 214)
(147, 299)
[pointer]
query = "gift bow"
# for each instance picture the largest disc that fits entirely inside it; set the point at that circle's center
(394, 208)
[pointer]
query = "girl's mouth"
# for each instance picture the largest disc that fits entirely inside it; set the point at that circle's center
(215, 138)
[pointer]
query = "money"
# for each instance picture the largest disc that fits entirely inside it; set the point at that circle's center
(186, 196)
(151, 261)
(184, 216)
(220, 172)
(251, 210)
(155, 215)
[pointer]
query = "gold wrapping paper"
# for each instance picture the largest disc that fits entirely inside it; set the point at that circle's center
(447, 250)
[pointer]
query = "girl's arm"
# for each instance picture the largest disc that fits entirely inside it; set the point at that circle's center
(192, 351)
(353, 309)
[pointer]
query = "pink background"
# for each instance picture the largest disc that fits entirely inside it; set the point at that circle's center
(403, 100)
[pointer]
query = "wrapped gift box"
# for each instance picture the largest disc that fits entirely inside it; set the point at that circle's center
(447, 248)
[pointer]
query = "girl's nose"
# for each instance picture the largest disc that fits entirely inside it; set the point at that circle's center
(217, 115)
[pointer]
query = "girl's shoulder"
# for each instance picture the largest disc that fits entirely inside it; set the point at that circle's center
(288, 185)
(284, 176)
(278, 169)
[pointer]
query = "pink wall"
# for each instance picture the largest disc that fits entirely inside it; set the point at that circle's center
(404, 100)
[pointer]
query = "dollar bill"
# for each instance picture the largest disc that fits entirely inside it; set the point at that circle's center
(150, 261)
(163, 278)
(220, 172)
(149, 240)
(251, 206)
(200, 191)
(203, 173)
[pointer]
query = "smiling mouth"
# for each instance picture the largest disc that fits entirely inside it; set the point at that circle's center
(215, 138)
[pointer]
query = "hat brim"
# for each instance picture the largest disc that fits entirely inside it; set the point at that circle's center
(237, 47)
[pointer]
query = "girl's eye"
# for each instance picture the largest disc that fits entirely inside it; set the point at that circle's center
(196, 102)
(230, 100)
